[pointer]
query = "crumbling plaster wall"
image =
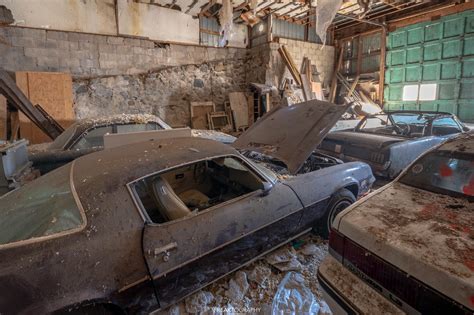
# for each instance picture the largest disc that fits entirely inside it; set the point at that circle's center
(127, 75)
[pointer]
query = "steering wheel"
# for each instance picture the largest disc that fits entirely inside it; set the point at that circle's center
(403, 128)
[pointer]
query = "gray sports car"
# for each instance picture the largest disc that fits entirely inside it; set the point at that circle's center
(138, 227)
(389, 142)
(87, 136)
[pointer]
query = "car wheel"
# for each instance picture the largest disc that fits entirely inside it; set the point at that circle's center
(339, 201)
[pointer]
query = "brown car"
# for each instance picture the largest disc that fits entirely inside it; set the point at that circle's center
(138, 227)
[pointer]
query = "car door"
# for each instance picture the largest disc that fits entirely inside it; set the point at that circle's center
(186, 254)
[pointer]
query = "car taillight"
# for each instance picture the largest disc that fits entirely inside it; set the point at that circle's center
(336, 244)
(395, 284)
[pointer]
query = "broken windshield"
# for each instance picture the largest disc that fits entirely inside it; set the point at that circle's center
(43, 207)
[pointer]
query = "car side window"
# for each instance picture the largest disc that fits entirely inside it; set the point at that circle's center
(137, 127)
(93, 138)
(192, 188)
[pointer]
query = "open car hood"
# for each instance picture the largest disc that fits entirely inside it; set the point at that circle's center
(291, 133)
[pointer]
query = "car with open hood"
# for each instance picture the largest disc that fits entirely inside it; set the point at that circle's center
(409, 246)
(390, 141)
(138, 227)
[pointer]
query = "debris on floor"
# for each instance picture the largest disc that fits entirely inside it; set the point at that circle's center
(282, 282)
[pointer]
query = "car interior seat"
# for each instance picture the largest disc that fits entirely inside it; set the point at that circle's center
(169, 204)
(194, 198)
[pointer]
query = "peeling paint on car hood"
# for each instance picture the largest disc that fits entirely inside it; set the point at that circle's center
(291, 133)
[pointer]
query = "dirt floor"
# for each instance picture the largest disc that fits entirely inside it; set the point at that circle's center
(281, 282)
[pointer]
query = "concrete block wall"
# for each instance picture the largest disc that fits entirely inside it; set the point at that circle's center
(87, 55)
(322, 57)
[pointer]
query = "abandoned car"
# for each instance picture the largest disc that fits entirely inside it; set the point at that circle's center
(87, 135)
(141, 226)
(389, 142)
(409, 246)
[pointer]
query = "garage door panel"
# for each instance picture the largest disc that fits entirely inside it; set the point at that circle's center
(454, 27)
(431, 72)
(432, 52)
(433, 32)
(451, 49)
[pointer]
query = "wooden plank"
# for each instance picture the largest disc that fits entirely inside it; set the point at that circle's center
(332, 94)
(15, 121)
(53, 91)
(199, 111)
(317, 89)
(3, 118)
(240, 109)
(290, 64)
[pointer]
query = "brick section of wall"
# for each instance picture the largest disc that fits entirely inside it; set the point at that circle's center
(87, 55)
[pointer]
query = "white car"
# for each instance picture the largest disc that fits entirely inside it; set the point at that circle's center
(409, 246)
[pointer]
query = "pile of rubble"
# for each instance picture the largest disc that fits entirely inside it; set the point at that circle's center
(282, 282)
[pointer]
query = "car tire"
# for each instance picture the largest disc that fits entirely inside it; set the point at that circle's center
(339, 201)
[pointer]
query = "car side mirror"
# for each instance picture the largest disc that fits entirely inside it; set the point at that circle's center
(266, 189)
(465, 128)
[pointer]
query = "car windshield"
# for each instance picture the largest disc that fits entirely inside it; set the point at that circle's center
(63, 138)
(443, 172)
(410, 118)
(43, 207)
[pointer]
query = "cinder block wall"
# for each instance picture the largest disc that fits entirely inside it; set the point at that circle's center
(322, 57)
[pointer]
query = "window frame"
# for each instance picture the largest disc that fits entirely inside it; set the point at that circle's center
(144, 214)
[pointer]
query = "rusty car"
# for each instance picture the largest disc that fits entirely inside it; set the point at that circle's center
(390, 141)
(87, 135)
(408, 248)
(138, 227)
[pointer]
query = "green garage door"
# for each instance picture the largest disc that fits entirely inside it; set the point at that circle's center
(430, 66)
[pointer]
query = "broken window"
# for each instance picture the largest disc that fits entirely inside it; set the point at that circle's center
(43, 208)
(195, 187)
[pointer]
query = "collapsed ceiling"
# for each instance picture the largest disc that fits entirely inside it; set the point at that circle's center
(297, 11)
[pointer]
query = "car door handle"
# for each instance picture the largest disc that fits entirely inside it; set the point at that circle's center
(163, 250)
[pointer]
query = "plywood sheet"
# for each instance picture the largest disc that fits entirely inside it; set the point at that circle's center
(240, 108)
(3, 118)
(53, 91)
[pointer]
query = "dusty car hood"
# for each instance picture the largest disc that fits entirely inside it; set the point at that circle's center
(427, 235)
(291, 133)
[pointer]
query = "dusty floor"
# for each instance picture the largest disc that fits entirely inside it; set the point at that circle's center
(281, 282)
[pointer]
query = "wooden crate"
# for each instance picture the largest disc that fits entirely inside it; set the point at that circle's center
(53, 91)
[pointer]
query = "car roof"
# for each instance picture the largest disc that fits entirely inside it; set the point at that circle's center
(87, 123)
(121, 165)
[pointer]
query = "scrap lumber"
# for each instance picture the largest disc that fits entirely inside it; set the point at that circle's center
(18, 100)
(199, 111)
(239, 107)
(290, 64)
(3, 118)
(53, 90)
(219, 121)
(332, 93)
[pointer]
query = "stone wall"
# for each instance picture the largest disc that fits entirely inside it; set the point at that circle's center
(115, 75)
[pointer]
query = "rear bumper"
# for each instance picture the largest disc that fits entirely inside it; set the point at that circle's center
(345, 293)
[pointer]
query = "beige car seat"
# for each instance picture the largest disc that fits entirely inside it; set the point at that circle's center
(169, 204)
(195, 199)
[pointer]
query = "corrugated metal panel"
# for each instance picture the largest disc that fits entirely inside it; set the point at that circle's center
(289, 30)
(440, 52)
